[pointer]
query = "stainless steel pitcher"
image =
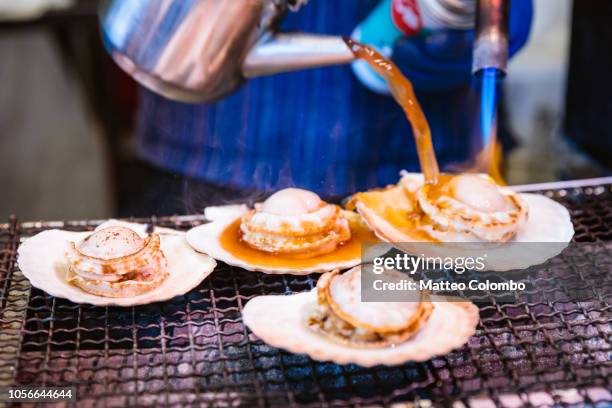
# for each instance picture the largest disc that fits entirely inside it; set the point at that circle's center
(200, 50)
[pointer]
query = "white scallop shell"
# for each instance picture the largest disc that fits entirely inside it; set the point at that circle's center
(214, 213)
(205, 238)
(280, 321)
(41, 259)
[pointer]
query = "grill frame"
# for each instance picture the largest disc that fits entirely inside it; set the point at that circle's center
(194, 350)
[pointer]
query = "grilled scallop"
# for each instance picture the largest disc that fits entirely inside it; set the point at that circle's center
(297, 222)
(462, 208)
(470, 208)
(343, 316)
(117, 262)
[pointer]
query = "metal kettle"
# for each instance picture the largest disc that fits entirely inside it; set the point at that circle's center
(201, 50)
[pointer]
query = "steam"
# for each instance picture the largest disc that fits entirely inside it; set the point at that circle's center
(199, 194)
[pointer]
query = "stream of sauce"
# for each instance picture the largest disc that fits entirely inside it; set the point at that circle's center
(402, 91)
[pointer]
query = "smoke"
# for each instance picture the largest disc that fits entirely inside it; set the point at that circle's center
(198, 195)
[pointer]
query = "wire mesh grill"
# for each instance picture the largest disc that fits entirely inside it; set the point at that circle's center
(195, 350)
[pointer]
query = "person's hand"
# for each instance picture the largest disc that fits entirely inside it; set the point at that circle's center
(388, 22)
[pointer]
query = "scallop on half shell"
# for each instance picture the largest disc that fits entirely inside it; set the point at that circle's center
(292, 232)
(364, 333)
(470, 213)
(46, 258)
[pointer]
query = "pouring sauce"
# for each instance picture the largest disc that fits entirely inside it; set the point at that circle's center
(405, 219)
(402, 91)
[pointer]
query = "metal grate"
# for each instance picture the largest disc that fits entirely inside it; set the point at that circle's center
(195, 350)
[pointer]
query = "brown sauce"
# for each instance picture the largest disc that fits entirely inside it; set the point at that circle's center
(441, 188)
(398, 208)
(402, 91)
(231, 241)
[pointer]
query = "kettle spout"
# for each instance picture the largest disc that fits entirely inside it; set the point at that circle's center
(282, 52)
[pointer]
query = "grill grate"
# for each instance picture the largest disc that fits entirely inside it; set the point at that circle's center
(195, 350)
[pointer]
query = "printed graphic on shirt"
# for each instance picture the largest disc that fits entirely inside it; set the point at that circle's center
(406, 16)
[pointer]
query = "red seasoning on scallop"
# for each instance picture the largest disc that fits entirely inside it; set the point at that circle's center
(117, 262)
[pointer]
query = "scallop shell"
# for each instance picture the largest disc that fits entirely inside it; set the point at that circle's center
(281, 321)
(205, 239)
(381, 227)
(214, 213)
(42, 260)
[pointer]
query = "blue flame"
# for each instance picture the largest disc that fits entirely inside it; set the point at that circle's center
(488, 104)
